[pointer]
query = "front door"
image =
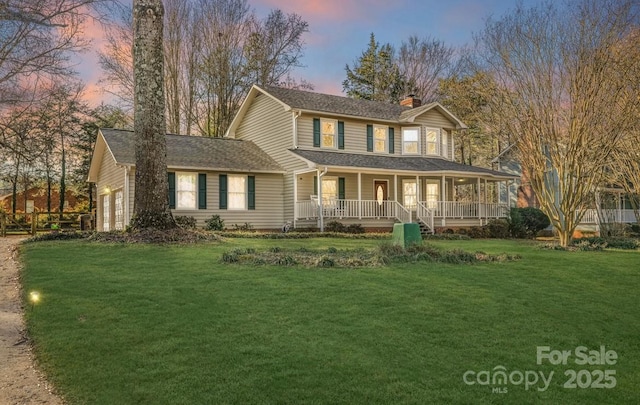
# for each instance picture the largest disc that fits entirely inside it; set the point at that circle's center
(381, 195)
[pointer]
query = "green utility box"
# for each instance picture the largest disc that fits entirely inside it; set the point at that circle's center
(406, 234)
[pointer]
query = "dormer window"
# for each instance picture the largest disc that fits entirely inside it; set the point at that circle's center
(380, 138)
(433, 141)
(329, 129)
(411, 141)
(445, 145)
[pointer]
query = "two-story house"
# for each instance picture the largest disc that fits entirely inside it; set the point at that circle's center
(318, 158)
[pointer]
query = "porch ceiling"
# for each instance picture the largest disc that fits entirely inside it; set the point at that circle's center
(411, 164)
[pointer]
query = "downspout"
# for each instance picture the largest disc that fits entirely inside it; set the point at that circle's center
(295, 116)
(320, 218)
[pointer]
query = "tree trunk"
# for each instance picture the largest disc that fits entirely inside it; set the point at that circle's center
(63, 184)
(151, 201)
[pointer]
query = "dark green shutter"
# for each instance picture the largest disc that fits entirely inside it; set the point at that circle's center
(202, 191)
(316, 132)
(315, 185)
(369, 138)
(251, 188)
(172, 189)
(341, 194)
(222, 188)
(391, 140)
(340, 135)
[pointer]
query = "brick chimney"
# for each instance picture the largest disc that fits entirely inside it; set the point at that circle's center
(411, 101)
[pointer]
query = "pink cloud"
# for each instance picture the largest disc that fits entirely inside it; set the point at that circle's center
(332, 10)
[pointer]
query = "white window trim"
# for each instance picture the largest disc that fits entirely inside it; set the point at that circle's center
(106, 212)
(404, 181)
(386, 138)
(445, 148)
(436, 142)
(246, 193)
(195, 203)
(118, 216)
(418, 140)
(335, 133)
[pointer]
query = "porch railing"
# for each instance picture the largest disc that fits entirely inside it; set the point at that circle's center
(592, 216)
(425, 215)
(309, 209)
(458, 209)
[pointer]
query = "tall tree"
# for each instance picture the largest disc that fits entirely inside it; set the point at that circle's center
(37, 38)
(375, 75)
(151, 199)
(558, 73)
(423, 62)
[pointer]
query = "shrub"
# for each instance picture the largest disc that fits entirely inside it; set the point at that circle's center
(633, 230)
(477, 232)
(334, 226)
(244, 227)
(498, 228)
(527, 222)
(185, 222)
(215, 223)
(354, 228)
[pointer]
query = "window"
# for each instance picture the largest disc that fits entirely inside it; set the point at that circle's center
(237, 193)
(186, 191)
(329, 190)
(433, 194)
(119, 210)
(410, 193)
(379, 138)
(432, 136)
(445, 144)
(106, 213)
(328, 133)
(411, 141)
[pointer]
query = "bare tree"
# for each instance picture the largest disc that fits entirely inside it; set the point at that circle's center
(151, 199)
(563, 95)
(214, 52)
(37, 38)
(423, 62)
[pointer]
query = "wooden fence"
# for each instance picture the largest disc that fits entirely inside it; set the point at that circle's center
(32, 223)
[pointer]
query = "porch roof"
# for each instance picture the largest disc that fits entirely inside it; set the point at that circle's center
(412, 164)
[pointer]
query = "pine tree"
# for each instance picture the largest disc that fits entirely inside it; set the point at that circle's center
(375, 75)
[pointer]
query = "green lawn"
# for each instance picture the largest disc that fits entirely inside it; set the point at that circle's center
(173, 325)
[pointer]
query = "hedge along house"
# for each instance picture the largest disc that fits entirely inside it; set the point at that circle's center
(367, 162)
(207, 176)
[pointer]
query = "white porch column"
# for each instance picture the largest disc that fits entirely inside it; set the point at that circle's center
(443, 198)
(486, 200)
(320, 219)
(417, 191)
(478, 198)
(359, 195)
(295, 199)
(395, 187)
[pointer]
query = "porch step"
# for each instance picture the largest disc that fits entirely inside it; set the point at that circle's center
(424, 229)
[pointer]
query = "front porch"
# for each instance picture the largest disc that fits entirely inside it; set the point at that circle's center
(381, 199)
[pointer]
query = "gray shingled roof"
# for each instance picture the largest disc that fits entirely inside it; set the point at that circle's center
(197, 152)
(404, 163)
(306, 100)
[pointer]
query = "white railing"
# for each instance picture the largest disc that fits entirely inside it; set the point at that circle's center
(309, 209)
(393, 210)
(458, 209)
(425, 215)
(592, 216)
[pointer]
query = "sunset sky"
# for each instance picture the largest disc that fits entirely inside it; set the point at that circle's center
(339, 32)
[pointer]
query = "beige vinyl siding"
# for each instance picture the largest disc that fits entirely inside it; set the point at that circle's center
(355, 134)
(270, 127)
(267, 215)
(110, 176)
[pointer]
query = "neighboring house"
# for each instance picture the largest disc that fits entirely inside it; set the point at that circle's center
(304, 158)
(614, 203)
(207, 176)
(35, 199)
